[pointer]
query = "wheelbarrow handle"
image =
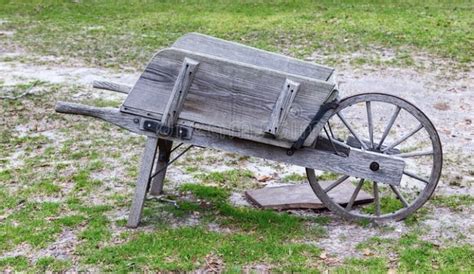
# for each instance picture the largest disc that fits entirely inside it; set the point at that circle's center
(111, 115)
(111, 86)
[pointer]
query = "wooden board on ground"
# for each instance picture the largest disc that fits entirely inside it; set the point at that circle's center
(301, 196)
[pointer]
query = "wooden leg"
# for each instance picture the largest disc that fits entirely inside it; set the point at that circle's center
(164, 149)
(142, 182)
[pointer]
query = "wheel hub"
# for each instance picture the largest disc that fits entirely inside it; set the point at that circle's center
(374, 166)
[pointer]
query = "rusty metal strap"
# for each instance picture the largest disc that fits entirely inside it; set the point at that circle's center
(319, 115)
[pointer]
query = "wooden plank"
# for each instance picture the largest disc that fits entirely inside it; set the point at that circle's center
(178, 94)
(301, 196)
(142, 183)
(356, 164)
(227, 97)
(282, 107)
(164, 151)
(232, 51)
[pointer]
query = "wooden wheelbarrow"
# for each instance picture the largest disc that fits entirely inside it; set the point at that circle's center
(208, 92)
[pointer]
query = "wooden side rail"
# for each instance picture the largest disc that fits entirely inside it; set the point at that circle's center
(209, 45)
(356, 164)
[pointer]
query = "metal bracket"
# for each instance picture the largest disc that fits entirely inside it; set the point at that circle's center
(177, 97)
(182, 132)
(322, 110)
(282, 108)
(172, 161)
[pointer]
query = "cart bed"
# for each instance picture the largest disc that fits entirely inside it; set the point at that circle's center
(229, 97)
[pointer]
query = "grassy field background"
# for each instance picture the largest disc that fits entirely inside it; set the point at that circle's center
(66, 182)
(126, 33)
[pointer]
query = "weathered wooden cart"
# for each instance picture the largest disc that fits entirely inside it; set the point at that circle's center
(212, 93)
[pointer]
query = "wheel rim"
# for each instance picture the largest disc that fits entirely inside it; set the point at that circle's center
(400, 123)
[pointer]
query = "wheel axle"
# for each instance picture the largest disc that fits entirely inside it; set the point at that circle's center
(374, 166)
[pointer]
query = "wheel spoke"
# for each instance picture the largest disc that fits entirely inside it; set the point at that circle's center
(336, 183)
(352, 131)
(414, 176)
(403, 139)
(389, 126)
(330, 130)
(354, 195)
(391, 137)
(399, 195)
(341, 143)
(376, 199)
(330, 140)
(369, 121)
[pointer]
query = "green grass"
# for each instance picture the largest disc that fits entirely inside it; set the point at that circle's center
(7, 200)
(294, 177)
(124, 33)
(454, 202)
(83, 181)
(234, 178)
(44, 186)
(328, 176)
(185, 249)
(247, 219)
(425, 257)
(419, 256)
(387, 205)
(257, 237)
(416, 217)
(369, 265)
(99, 102)
(51, 264)
(34, 224)
(18, 263)
(211, 194)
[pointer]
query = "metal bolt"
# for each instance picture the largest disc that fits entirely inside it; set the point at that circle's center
(374, 166)
(136, 120)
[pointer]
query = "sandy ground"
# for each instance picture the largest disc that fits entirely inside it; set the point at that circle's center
(447, 99)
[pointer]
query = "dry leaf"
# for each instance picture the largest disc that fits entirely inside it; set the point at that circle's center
(367, 252)
(264, 178)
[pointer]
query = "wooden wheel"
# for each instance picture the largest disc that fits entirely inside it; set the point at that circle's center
(388, 125)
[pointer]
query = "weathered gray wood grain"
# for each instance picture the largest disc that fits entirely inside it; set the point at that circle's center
(111, 115)
(164, 152)
(111, 86)
(357, 164)
(142, 183)
(301, 196)
(282, 107)
(227, 96)
(204, 44)
(180, 91)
